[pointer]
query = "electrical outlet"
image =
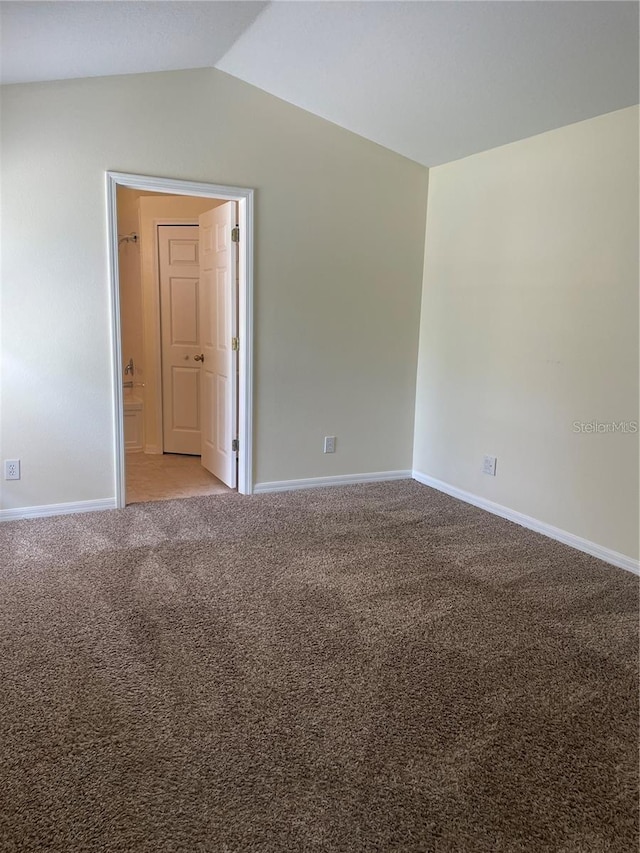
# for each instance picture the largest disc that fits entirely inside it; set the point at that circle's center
(12, 469)
(489, 465)
(329, 444)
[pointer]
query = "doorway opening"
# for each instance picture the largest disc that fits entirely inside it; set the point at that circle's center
(182, 384)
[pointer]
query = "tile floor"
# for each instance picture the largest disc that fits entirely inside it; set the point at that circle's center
(159, 477)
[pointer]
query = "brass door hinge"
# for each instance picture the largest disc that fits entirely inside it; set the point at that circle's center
(235, 344)
(235, 235)
(235, 445)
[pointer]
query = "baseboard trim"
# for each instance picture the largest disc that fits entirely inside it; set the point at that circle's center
(577, 542)
(56, 509)
(340, 480)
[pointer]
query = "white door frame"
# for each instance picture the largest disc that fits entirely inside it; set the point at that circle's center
(244, 197)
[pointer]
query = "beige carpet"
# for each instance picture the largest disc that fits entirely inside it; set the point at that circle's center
(371, 668)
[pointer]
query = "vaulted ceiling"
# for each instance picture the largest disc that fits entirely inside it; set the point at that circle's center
(431, 80)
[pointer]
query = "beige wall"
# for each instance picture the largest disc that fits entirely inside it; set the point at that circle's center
(339, 255)
(530, 323)
(130, 283)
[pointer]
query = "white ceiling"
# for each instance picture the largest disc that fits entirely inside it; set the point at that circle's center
(59, 40)
(432, 80)
(439, 80)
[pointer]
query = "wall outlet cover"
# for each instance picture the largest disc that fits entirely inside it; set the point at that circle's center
(12, 469)
(489, 465)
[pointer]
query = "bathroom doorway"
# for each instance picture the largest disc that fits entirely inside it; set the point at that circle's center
(181, 298)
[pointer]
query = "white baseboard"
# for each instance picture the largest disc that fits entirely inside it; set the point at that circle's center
(595, 550)
(584, 545)
(56, 509)
(340, 480)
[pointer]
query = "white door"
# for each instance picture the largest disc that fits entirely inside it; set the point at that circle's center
(219, 327)
(180, 310)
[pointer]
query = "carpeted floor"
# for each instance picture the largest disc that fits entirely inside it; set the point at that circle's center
(368, 668)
